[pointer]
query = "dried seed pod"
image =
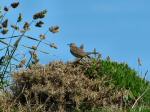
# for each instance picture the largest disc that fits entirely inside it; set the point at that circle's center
(54, 29)
(5, 23)
(15, 4)
(53, 45)
(19, 18)
(4, 31)
(40, 15)
(42, 37)
(6, 9)
(35, 57)
(22, 63)
(39, 24)
(34, 47)
(15, 27)
(26, 26)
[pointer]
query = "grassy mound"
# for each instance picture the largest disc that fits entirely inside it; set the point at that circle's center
(94, 85)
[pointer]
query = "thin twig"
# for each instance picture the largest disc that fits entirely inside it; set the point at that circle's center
(28, 63)
(145, 75)
(13, 51)
(136, 101)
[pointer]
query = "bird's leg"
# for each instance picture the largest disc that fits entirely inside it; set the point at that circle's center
(77, 60)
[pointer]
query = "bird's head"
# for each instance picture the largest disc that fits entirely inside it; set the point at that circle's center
(71, 44)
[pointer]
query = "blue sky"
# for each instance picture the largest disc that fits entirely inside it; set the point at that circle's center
(116, 28)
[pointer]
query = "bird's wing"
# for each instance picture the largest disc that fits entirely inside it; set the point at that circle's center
(82, 46)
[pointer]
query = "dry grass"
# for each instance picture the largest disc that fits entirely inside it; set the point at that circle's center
(12, 38)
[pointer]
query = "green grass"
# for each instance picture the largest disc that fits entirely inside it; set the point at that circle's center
(123, 77)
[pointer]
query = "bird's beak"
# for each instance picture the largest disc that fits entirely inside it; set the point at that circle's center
(69, 44)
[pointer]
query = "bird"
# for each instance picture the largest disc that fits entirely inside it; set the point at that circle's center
(79, 52)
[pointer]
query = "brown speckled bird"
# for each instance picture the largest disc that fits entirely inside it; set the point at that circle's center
(79, 52)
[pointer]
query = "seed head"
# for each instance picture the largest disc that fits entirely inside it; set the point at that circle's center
(6, 9)
(40, 15)
(26, 26)
(15, 4)
(39, 24)
(34, 47)
(4, 31)
(19, 18)
(42, 37)
(54, 29)
(22, 63)
(34, 56)
(5, 23)
(15, 27)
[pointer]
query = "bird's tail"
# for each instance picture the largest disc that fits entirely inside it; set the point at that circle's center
(88, 53)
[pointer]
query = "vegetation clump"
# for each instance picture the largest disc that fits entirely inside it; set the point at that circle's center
(84, 86)
(12, 56)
